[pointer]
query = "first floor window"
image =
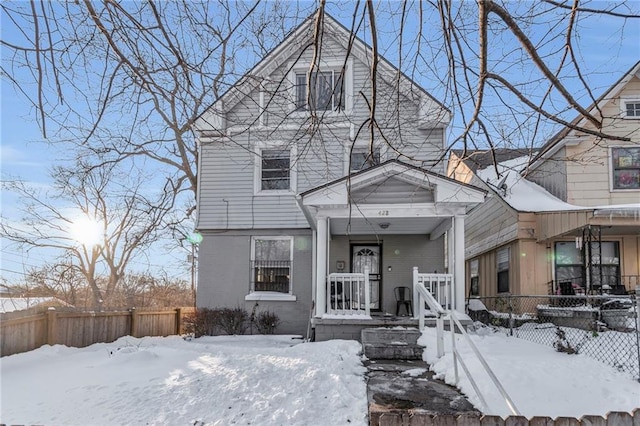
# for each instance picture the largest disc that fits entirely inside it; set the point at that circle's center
(276, 170)
(474, 289)
(271, 264)
(503, 269)
(625, 167)
(571, 265)
(325, 93)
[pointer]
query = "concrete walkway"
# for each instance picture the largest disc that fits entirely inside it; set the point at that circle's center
(399, 389)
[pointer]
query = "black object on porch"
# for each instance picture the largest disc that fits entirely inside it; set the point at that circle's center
(403, 298)
(338, 299)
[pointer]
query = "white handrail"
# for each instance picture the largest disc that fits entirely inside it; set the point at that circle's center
(426, 296)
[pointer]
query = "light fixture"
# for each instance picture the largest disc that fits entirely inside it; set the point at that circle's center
(384, 225)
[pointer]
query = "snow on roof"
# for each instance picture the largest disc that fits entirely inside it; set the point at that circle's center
(10, 304)
(524, 195)
(518, 192)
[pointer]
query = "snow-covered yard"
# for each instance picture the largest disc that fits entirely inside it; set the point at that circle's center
(277, 380)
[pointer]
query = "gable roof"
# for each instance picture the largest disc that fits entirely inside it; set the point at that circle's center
(558, 140)
(300, 37)
(476, 159)
(336, 191)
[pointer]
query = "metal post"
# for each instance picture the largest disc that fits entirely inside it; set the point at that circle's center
(453, 346)
(439, 335)
(637, 311)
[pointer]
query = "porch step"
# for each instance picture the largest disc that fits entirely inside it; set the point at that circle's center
(391, 343)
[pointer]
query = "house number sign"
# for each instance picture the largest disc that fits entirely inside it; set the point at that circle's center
(383, 212)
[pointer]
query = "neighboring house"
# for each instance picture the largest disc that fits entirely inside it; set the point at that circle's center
(298, 197)
(12, 304)
(566, 218)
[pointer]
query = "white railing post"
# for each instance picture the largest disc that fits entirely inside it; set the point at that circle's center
(452, 329)
(416, 295)
(367, 292)
(439, 336)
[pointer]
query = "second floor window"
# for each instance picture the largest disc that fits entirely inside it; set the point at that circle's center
(275, 170)
(625, 164)
(326, 91)
(362, 159)
(632, 109)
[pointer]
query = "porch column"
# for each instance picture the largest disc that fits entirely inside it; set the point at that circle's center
(459, 270)
(321, 266)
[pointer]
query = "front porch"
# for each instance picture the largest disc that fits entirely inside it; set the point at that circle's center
(373, 232)
(349, 312)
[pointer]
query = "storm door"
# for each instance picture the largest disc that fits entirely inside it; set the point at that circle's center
(368, 256)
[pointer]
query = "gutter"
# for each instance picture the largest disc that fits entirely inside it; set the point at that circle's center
(306, 212)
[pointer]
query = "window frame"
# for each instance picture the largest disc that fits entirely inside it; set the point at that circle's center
(333, 65)
(257, 168)
(474, 284)
(301, 99)
(270, 295)
(503, 271)
(623, 108)
(613, 168)
(362, 147)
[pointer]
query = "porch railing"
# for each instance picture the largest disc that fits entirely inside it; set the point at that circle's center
(439, 285)
(348, 294)
(425, 298)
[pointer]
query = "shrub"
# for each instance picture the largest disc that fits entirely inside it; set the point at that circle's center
(202, 322)
(266, 322)
(232, 320)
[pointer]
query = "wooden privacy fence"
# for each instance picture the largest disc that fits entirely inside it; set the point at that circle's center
(23, 332)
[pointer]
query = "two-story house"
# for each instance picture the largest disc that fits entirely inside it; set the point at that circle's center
(564, 218)
(313, 206)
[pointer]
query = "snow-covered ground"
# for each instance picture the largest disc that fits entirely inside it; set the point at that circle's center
(539, 380)
(277, 380)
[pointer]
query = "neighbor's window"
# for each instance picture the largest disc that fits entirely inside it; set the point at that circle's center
(625, 167)
(275, 171)
(605, 264)
(326, 92)
(503, 270)
(271, 264)
(474, 289)
(632, 108)
(569, 266)
(363, 158)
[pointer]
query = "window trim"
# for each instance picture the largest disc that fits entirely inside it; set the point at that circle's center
(324, 66)
(612, 169)
(257, 168)
(360, 146)
(271, 295)
(623, 107)
(475, 261)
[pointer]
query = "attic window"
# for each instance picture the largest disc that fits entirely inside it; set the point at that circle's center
(632, 108)
(325, 94)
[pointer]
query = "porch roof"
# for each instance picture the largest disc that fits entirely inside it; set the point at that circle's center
(409, 198)
(613, 220)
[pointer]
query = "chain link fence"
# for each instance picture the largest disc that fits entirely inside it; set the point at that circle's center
(603, 327)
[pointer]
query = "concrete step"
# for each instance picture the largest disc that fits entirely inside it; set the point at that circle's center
(391, 343)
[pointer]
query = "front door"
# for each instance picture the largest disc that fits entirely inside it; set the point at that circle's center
(368, 256)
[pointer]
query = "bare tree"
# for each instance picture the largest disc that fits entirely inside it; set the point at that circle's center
(129, 80)
(104, 204)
